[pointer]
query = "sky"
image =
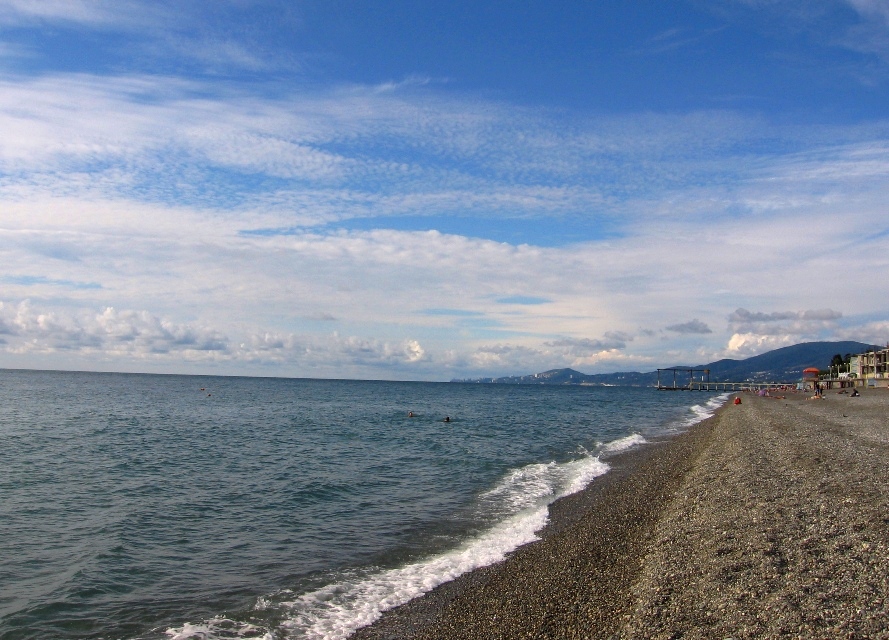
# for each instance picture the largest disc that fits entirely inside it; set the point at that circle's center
(427, 191)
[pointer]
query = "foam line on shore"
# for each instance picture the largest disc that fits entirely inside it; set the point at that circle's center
(709, 408)
(519, 504)
(337, 610)
(766, 521)
(520, 500)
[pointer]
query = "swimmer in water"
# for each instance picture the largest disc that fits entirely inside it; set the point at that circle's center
(447, 418)
(410, 414)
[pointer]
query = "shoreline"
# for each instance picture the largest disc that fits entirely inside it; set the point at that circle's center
(766, 519)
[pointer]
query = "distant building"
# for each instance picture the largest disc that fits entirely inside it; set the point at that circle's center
(871, 365)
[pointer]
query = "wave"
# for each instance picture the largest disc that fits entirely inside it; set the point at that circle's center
(521, 497)
(519, 505)
(622, 444)
(519, 501)
(702, 412)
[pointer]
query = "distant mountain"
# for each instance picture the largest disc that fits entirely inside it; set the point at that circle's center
(780, 365)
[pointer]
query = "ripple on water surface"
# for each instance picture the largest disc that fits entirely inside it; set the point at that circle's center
(140, 506)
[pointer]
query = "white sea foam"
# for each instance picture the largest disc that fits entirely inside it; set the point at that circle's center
(520, 501)
(536, 484)
(703, 412)
(622, 444)
(337, 610)
(218, 628)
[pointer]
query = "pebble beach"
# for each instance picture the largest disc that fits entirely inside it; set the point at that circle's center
(768, 520)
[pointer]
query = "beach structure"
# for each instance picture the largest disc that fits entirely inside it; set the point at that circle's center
(691, 379)
(870, 369)
(855, 366)
(679, 375)
(810, 374)
(810, 378)
(872, 365)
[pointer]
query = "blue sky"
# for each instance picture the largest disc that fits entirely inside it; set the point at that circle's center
(404, 190)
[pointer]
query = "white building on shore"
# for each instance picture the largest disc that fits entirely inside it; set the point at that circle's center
(871, 365)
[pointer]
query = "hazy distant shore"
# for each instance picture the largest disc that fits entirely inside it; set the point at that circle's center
(767, 520)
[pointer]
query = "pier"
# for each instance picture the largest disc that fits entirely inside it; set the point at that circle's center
(690, 379)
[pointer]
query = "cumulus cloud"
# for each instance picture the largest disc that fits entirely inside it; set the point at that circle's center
(367, 351)
(332, 352)
(691, 327)
(745, 345)
(134, 336)
(755, 332)
(110, 332)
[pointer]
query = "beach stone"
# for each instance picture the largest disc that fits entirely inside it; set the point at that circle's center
(769, 520)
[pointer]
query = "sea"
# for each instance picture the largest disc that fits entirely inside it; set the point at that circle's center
(199, 508)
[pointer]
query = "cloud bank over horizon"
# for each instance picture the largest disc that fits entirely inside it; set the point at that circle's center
(188, 195)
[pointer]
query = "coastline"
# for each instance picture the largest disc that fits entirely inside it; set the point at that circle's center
(767, 519)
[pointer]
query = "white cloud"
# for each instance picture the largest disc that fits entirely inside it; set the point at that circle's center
(871, 35)
(88, 12)
(152, 128)
(756, 331)
(157, 131)
(91, 166)
(746, 345)
(135, 339)
(329, 350)
(876, 333)
(379, 283)
(109, 333)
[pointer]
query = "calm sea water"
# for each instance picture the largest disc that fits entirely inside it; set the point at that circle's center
(146, 506)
